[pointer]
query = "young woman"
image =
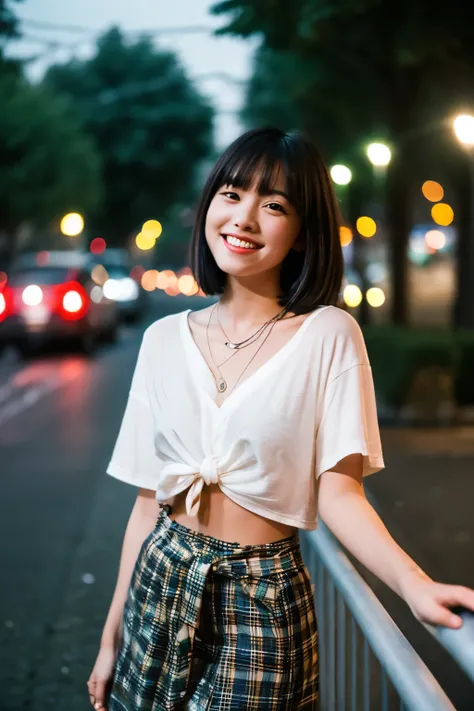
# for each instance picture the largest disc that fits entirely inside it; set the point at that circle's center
(245, 421)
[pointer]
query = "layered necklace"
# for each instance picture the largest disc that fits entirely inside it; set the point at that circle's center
(221, 383)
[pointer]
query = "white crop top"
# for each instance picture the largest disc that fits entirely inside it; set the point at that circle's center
(298, 415)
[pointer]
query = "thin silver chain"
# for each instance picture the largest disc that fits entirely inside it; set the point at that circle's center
(251, 339)
(221, 378)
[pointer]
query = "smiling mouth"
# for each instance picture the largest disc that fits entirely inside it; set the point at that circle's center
(243, 244)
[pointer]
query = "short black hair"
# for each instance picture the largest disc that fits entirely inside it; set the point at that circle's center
(309, 278)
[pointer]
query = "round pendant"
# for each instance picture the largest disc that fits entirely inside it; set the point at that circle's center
(221, 385)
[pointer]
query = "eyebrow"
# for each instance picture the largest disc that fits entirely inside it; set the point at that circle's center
(277, 192)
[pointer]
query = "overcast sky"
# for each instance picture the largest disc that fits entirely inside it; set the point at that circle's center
(200, 53)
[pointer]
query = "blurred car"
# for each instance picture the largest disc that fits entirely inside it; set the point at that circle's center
(55, 302)
(126, 292)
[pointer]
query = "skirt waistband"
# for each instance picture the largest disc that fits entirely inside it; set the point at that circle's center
(211, 548)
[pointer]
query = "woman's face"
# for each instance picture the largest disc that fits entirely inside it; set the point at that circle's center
(248, 233)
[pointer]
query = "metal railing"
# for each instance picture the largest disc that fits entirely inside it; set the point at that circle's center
(365, 661)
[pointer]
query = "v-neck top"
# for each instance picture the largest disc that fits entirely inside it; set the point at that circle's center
(306, 408)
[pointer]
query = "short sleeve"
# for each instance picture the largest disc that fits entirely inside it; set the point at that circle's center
(349, 422)
(134, 458)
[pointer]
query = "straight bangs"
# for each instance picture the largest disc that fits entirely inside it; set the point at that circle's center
(308, 278)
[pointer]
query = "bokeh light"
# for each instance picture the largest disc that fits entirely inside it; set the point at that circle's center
(164, 277)
(366, 227)
(432, 191)
(137, 272)
(435, 239)
(148, 280)
(152, 229)
(187, 285)
(346, 235)
(99, 274)
(464, 129)
(341, 174)
(375, 297)
(3, 280)
(98, 245)
(72, 224)
(42, 258)
(72, 301)
(442, 214)
(352, 295)
(379, 154)
(144, 241)
(32, 295)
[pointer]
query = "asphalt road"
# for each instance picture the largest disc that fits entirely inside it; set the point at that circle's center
(62, 520)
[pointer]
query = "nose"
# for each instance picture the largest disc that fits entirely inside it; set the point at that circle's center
(245, 218)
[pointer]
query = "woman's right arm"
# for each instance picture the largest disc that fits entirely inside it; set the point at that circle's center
(141, 523)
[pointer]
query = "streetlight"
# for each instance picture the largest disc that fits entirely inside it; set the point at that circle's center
(341, 174)
(72, 224)
(379, 154)
(464, 129)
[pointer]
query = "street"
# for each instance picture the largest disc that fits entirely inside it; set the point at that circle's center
(62, 519)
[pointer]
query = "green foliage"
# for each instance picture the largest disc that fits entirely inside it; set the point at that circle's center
(48, 165)
(361, 69)
(148, 121)
(397, 355)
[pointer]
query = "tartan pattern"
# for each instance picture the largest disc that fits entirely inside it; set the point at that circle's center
(210, 625)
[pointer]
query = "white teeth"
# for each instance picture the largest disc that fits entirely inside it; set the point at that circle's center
(239, 243)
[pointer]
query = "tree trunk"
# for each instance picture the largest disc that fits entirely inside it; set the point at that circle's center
(463, 311)
(398, 229)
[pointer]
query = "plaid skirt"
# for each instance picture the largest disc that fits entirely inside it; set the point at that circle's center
(212, 625)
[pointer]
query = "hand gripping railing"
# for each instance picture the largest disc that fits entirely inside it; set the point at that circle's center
(348, 680)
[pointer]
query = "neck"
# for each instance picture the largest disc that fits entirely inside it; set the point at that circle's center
(245, 303)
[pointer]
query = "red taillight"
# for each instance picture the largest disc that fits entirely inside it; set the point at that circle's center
(6, 303)
(71, 301)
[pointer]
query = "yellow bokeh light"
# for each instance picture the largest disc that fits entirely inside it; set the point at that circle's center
(464, 129)
(346, 235)
(375, 297)
(187, 285)
(72, 224)
(432, 191)
(152, 229)
(352, 295)
(442, 214)
(99, 274)
(366, 226)
(149, 279)
(435, 239)
(144, 242)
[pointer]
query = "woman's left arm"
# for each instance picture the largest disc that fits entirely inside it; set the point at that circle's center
(345, 510)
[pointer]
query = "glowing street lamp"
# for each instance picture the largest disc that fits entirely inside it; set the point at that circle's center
(379, 154)
(341, 174)
(72, 224)
(464, 129)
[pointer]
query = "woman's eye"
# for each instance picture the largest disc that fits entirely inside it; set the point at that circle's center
(231, 195)
(276, 206)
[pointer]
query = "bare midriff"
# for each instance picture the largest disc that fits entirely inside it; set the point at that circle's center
(222, 518)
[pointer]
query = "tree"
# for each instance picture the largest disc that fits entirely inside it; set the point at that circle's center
(48, 165)
(149, 123)
(384, 62)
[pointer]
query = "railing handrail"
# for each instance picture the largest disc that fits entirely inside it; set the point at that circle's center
(410, 676)
(460, 642)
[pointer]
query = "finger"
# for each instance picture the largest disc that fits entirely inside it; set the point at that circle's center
(457, 595)
(100, 694)
(441, 615)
